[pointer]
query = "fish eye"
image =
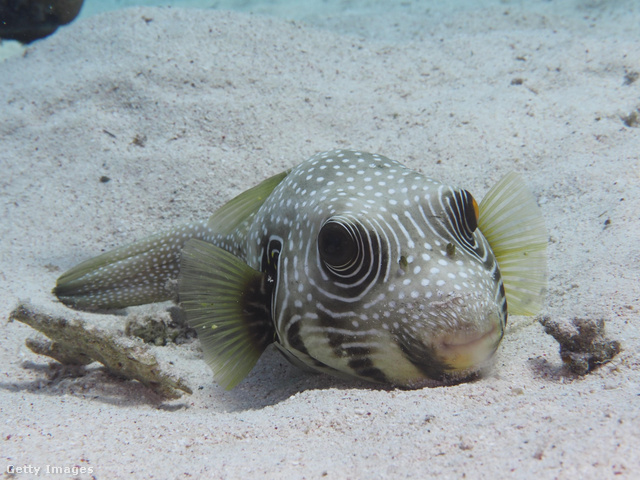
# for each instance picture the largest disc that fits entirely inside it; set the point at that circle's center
(471, 211)
(462, 211)
(337, 245)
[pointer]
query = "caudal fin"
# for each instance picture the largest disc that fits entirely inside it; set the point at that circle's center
(142, 272)
(146, 271)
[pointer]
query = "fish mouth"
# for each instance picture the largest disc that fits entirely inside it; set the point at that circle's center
(464, 351)
(467, 341)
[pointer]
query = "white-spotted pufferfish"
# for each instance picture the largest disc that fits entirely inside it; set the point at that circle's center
(350, 263)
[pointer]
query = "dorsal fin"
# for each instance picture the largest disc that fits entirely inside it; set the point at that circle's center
(228, 304)
(512, 223)
(232, 214)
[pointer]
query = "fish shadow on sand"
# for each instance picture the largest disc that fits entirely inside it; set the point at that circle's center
(273, 381)
(92, 383)
(79, 347)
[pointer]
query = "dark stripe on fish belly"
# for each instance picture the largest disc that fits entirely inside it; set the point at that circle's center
(365, 368)
(421, 356)
(502, 294)
(295, 340)
(358, 356)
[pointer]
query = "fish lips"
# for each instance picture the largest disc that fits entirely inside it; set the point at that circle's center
(458, 347)
(459, 351)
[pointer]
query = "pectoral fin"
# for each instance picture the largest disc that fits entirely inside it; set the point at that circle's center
(228, 304)
(512, 223)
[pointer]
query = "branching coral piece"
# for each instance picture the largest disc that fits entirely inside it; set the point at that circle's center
(74, 342)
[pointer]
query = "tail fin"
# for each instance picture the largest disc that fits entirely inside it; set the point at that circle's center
(147, 271)
(142, 272)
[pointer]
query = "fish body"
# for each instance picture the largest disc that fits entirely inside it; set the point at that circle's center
(350, 263)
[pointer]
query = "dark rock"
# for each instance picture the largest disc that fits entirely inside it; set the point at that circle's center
(29, 20)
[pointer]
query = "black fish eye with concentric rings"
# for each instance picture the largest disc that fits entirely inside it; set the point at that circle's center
(337, 245)
(470, 211)
(462, 211)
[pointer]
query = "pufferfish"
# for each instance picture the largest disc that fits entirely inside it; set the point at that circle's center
(350, 263)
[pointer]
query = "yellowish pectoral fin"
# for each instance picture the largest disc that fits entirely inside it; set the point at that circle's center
(227, 303)
(512, 223)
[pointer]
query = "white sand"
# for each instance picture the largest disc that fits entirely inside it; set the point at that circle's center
(224, 100)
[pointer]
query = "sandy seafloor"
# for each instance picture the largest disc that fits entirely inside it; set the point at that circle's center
(221, 100)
